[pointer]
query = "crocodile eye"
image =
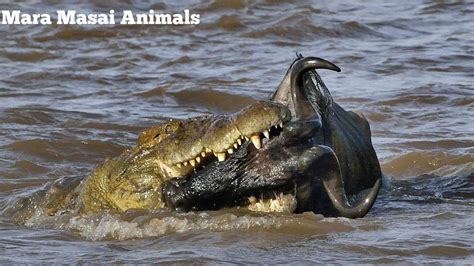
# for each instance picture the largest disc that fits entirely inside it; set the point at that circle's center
(157, 136)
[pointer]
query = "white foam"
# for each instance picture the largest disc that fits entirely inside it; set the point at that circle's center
(143, 224)
(285, 203)
(113, 226)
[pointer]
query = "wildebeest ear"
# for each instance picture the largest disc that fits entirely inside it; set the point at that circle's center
(281, 93)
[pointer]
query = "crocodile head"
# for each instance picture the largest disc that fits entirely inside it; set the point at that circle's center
(175, 149)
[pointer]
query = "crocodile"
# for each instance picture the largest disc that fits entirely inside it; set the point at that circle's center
(133, 180)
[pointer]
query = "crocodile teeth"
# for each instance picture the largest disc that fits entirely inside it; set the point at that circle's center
(246, 138)
(281, 124)
(221, 156)
(208, 150)
(256, 141)
(185, 163)
(235, 145)
(198, 159)
(266, 134)
(239, 141)
(203, 154)
(230, 150)
(179, 165)
(192, 162)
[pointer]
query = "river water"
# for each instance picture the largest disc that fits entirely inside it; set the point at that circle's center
(70, 96)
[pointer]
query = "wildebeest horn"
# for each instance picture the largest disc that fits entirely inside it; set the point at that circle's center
(299, 98)
(305, 64)
(328, 169)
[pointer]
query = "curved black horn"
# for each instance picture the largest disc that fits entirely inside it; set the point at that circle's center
(305, 64)
(328, 169)
(302, 108)
(308, 63)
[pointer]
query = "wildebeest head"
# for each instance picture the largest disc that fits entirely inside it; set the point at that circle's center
(320, 154)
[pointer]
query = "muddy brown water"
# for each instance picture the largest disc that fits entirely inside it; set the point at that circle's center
(71, 96)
